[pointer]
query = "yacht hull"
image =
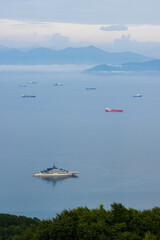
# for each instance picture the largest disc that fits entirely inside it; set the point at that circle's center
(55, 174)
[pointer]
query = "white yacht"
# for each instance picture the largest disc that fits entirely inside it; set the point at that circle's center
(55, 172)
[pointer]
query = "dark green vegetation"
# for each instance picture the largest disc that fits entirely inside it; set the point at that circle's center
(119, 223)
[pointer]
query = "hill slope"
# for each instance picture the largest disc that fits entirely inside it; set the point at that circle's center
(153, 65)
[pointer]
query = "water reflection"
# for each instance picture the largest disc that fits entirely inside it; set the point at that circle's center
(54, 179)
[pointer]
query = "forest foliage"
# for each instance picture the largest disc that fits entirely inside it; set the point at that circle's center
(82, 223)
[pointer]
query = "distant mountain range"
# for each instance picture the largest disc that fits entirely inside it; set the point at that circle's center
(153, 65)
(83, 55)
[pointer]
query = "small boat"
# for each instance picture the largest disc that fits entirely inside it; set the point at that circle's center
(55, 172)
(113, 110)
(90, 88)
(22, 85)
(58, 84)
(31, 82)
(28, 96)
(137, 95)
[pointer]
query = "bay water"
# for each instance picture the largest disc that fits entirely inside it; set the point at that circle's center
(117, 155)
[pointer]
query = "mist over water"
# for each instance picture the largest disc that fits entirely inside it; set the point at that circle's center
(116, 154)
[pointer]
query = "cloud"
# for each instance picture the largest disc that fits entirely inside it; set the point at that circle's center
(114, 28)
(124, 39)
(56, 41)
(126, 43)
(57, 38)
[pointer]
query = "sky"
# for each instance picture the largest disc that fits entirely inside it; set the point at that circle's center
(117, 25)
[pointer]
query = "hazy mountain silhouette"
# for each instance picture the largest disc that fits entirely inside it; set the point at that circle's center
(153, 65)
(83, 55)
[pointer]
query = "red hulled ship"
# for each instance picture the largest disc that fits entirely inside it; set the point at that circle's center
(113, 110)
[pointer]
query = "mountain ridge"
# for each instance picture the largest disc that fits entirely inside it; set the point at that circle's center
(83, 55)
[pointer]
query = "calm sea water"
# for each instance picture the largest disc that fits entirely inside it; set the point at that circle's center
(117, 155)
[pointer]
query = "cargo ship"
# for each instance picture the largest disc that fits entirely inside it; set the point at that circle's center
(113, 110)
(58, 84)
(90, 88)
(31, 82)
(28, 96)
(137, 95)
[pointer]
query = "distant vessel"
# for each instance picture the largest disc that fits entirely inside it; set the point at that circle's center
(113, 110)
(90, 88)
(32, 82)
(137, 95)
(23, 85)
(55, 172)
(28, 96)
(58, 84)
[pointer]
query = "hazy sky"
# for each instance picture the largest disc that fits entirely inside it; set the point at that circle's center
(112, 25)
(83, 11)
